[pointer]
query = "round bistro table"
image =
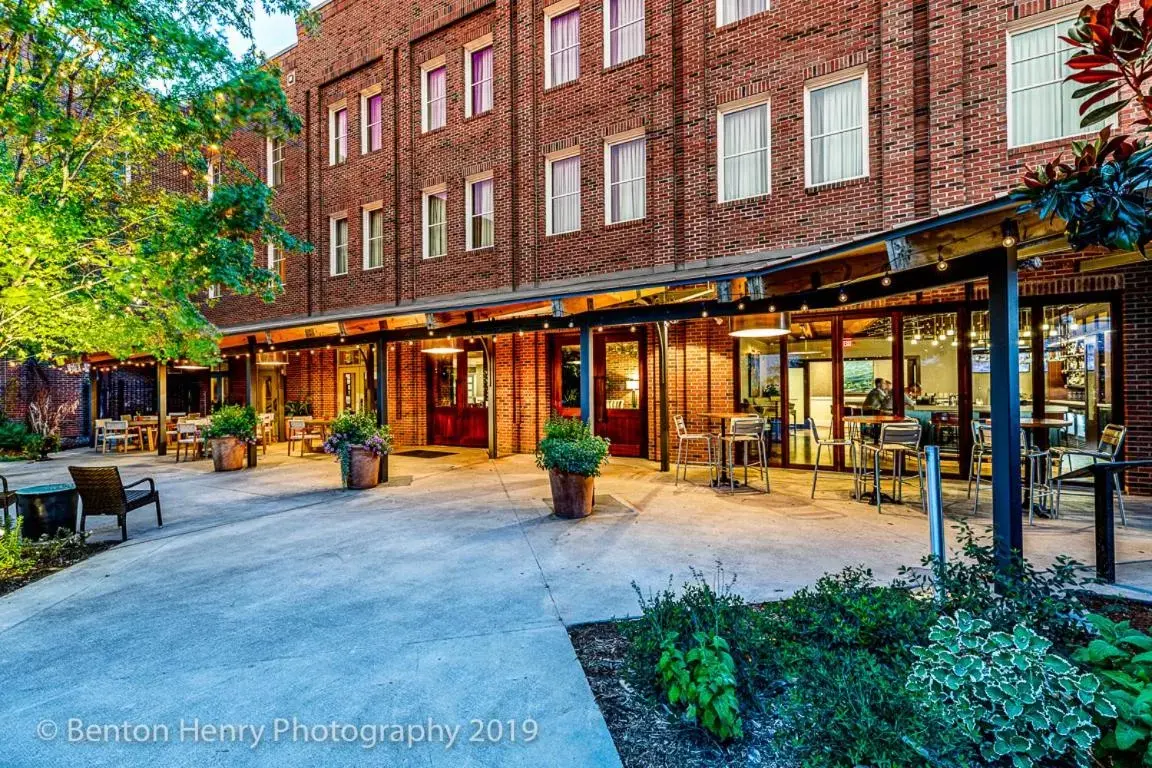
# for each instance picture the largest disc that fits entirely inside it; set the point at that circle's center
(46, 509)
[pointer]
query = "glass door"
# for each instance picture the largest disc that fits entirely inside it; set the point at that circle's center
(458, 396)
(932, 347)
(1077, 341)
(810, 388)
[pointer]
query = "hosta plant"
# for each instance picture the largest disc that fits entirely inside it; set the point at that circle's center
(1019, 704)
(702, 683)
(1122, 657)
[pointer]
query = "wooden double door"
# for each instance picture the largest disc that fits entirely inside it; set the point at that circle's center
(458, 397)
(619, 386)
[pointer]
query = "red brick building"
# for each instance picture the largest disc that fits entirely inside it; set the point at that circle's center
(478, 162)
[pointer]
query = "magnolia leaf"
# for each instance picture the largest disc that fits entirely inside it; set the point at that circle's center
(1102, 113)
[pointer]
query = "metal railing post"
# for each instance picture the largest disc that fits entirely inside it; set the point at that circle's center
(935, 508)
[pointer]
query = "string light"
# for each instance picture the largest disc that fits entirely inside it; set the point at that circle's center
(843, 296)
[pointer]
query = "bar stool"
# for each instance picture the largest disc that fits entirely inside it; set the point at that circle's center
(686, 439)
(901, 439)
(747, 431)
(820, 446)
(981, 447)
(1111, 441)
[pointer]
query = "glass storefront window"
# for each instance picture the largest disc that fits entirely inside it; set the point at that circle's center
(444, 381)
(932, 348)
(982, 361)
(760, 385)
(477, 381)
(570, 376)
(809, 388)
(1078, 371)
(867, 371)
(622, 375)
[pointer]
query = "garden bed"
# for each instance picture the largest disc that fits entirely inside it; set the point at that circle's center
(41, 560)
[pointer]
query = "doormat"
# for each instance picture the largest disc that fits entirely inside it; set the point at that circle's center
(420, 453)
(606, 504)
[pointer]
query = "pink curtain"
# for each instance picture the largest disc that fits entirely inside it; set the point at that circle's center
(481, 81)
(565, 47)
(437, 103)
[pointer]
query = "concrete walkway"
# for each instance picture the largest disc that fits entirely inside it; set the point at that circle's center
(272, 598)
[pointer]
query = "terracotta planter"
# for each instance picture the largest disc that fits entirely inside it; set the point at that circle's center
(364, 471)
(572, 495)
(229, 454)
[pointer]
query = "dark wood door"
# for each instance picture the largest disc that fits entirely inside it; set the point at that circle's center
(458, 397)
(619, 383)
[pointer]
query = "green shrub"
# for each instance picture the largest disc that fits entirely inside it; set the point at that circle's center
(12, 559)
(233, 421)
(33, 446)
(1042, 599)
(298, 408)
(702, 683)
(1122, 658)
(569, 446)
(1019, 704)
(13, 435)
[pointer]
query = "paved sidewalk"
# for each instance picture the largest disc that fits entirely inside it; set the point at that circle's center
(274, 595)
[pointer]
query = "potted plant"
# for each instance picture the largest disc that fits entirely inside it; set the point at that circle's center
(359, 445)
(573, 456)
(231, 429)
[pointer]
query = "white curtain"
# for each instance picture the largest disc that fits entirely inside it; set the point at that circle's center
(375, 123)
(836, 126)
(625, 30)
(1042, 107)
(734, 10)
(341, 135)
(436, 215)
(566, 195)
(375, 238)
(627, 166)
(565, 47)
(483, 226)
(437, 103)
(340, 247)
(482, 81)
(746, 152)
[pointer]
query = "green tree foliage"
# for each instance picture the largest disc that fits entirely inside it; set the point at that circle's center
(112, 117)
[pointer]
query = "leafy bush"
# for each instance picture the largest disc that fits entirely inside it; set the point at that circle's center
(1042, 599)
(702, 682)
(356, 430)
(233, 421)
(12, 560)
(298, 408)
(13, 435)
(1122, 657)
(569, 446)
(1020, 705)
(19, 556)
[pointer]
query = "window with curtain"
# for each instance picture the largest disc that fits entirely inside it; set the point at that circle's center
(338, 141)
(373, 238)
(564, 195)
(481, 213)
(627, 173)
(435, 98)
(836, 132)
(729, 11)
(480, 80)
(275, 162)
(745, 152)
(340, 246)
(1040, 103)
(625, 19)
(564, 47)
(374, 126)
(435, 224)
(276, 260)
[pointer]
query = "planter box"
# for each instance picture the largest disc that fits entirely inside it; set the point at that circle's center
(572, 495)
(364, 472)
(229, 454)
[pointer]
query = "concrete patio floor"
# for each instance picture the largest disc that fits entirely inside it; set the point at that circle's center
(271, 595)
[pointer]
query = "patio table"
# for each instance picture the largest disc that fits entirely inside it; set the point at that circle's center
(1031, 425)
(724, 417)
(874, 419)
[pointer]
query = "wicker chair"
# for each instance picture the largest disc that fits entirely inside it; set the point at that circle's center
(7, 498)
(103, 493)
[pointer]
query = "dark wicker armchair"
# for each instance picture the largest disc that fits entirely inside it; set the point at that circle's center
(102, 493)
(7, 498)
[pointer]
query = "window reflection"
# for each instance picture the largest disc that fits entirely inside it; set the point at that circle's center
(570, 376)
(810, 388)
(622, 375)
(477, 380)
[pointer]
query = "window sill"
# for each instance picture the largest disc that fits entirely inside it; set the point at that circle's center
(561, 86)
(763, 197)
(742, 21)
(830, 185)
(625, 224)
(608, 68)
(563, 234)
(477, 248)
(1051, 145)
(433, 258)
(370, 152)
(337, 165)
(479, 115)
(337, 274)
(433, 131)
(376, 268)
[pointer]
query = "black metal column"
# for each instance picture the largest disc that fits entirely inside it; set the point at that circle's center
(587, 411)
(161, 408)
(380, 356)
(662, 362)
(93, 403)
(1003, 338)
(250, 390)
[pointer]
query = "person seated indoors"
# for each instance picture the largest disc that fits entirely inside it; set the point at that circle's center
(877, 400)
(912, 395)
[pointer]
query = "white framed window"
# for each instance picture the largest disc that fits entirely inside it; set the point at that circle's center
(478, 63)
(1040, 103)
(731, 11)
(337, 133)
(562, 182)
(836, 128)
(623, 31)
(215, 291)
(373, 235)
(625, 177)
(371, 120)
(276, 261)
(338, 245)
(744, 149)
(212, 177)
(434, 207)
(561, 43)
(479, 211)
(433, 94)
(275, 162)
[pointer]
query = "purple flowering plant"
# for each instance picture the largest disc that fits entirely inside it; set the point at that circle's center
(356, 430)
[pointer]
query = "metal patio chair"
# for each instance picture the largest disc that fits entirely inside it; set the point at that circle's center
(1108, 449)
(830, 444)
(748, 432)
(901, 440)
(103, 493)
(686, 438)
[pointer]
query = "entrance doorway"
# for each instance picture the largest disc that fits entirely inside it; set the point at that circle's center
(351, 372)
(458, 397)
(270, 396)
(620, 376)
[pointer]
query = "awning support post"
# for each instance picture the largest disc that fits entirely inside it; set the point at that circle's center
(250, 391)
(161, 408)
(662, 339)
(380, 355)
(587, 409)
(490, 382)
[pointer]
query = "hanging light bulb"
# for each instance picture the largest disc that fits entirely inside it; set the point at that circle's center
(843, 296)
(886, 280)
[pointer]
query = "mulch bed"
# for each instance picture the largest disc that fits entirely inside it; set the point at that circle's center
(68, 558)
(1120, 609)
(648, 735)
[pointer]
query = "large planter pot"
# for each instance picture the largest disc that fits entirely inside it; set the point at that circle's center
(363, 470)
(572, 495)
(228, 454)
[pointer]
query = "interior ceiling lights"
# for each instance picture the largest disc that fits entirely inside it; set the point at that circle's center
(441, 350)
(761, 326)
